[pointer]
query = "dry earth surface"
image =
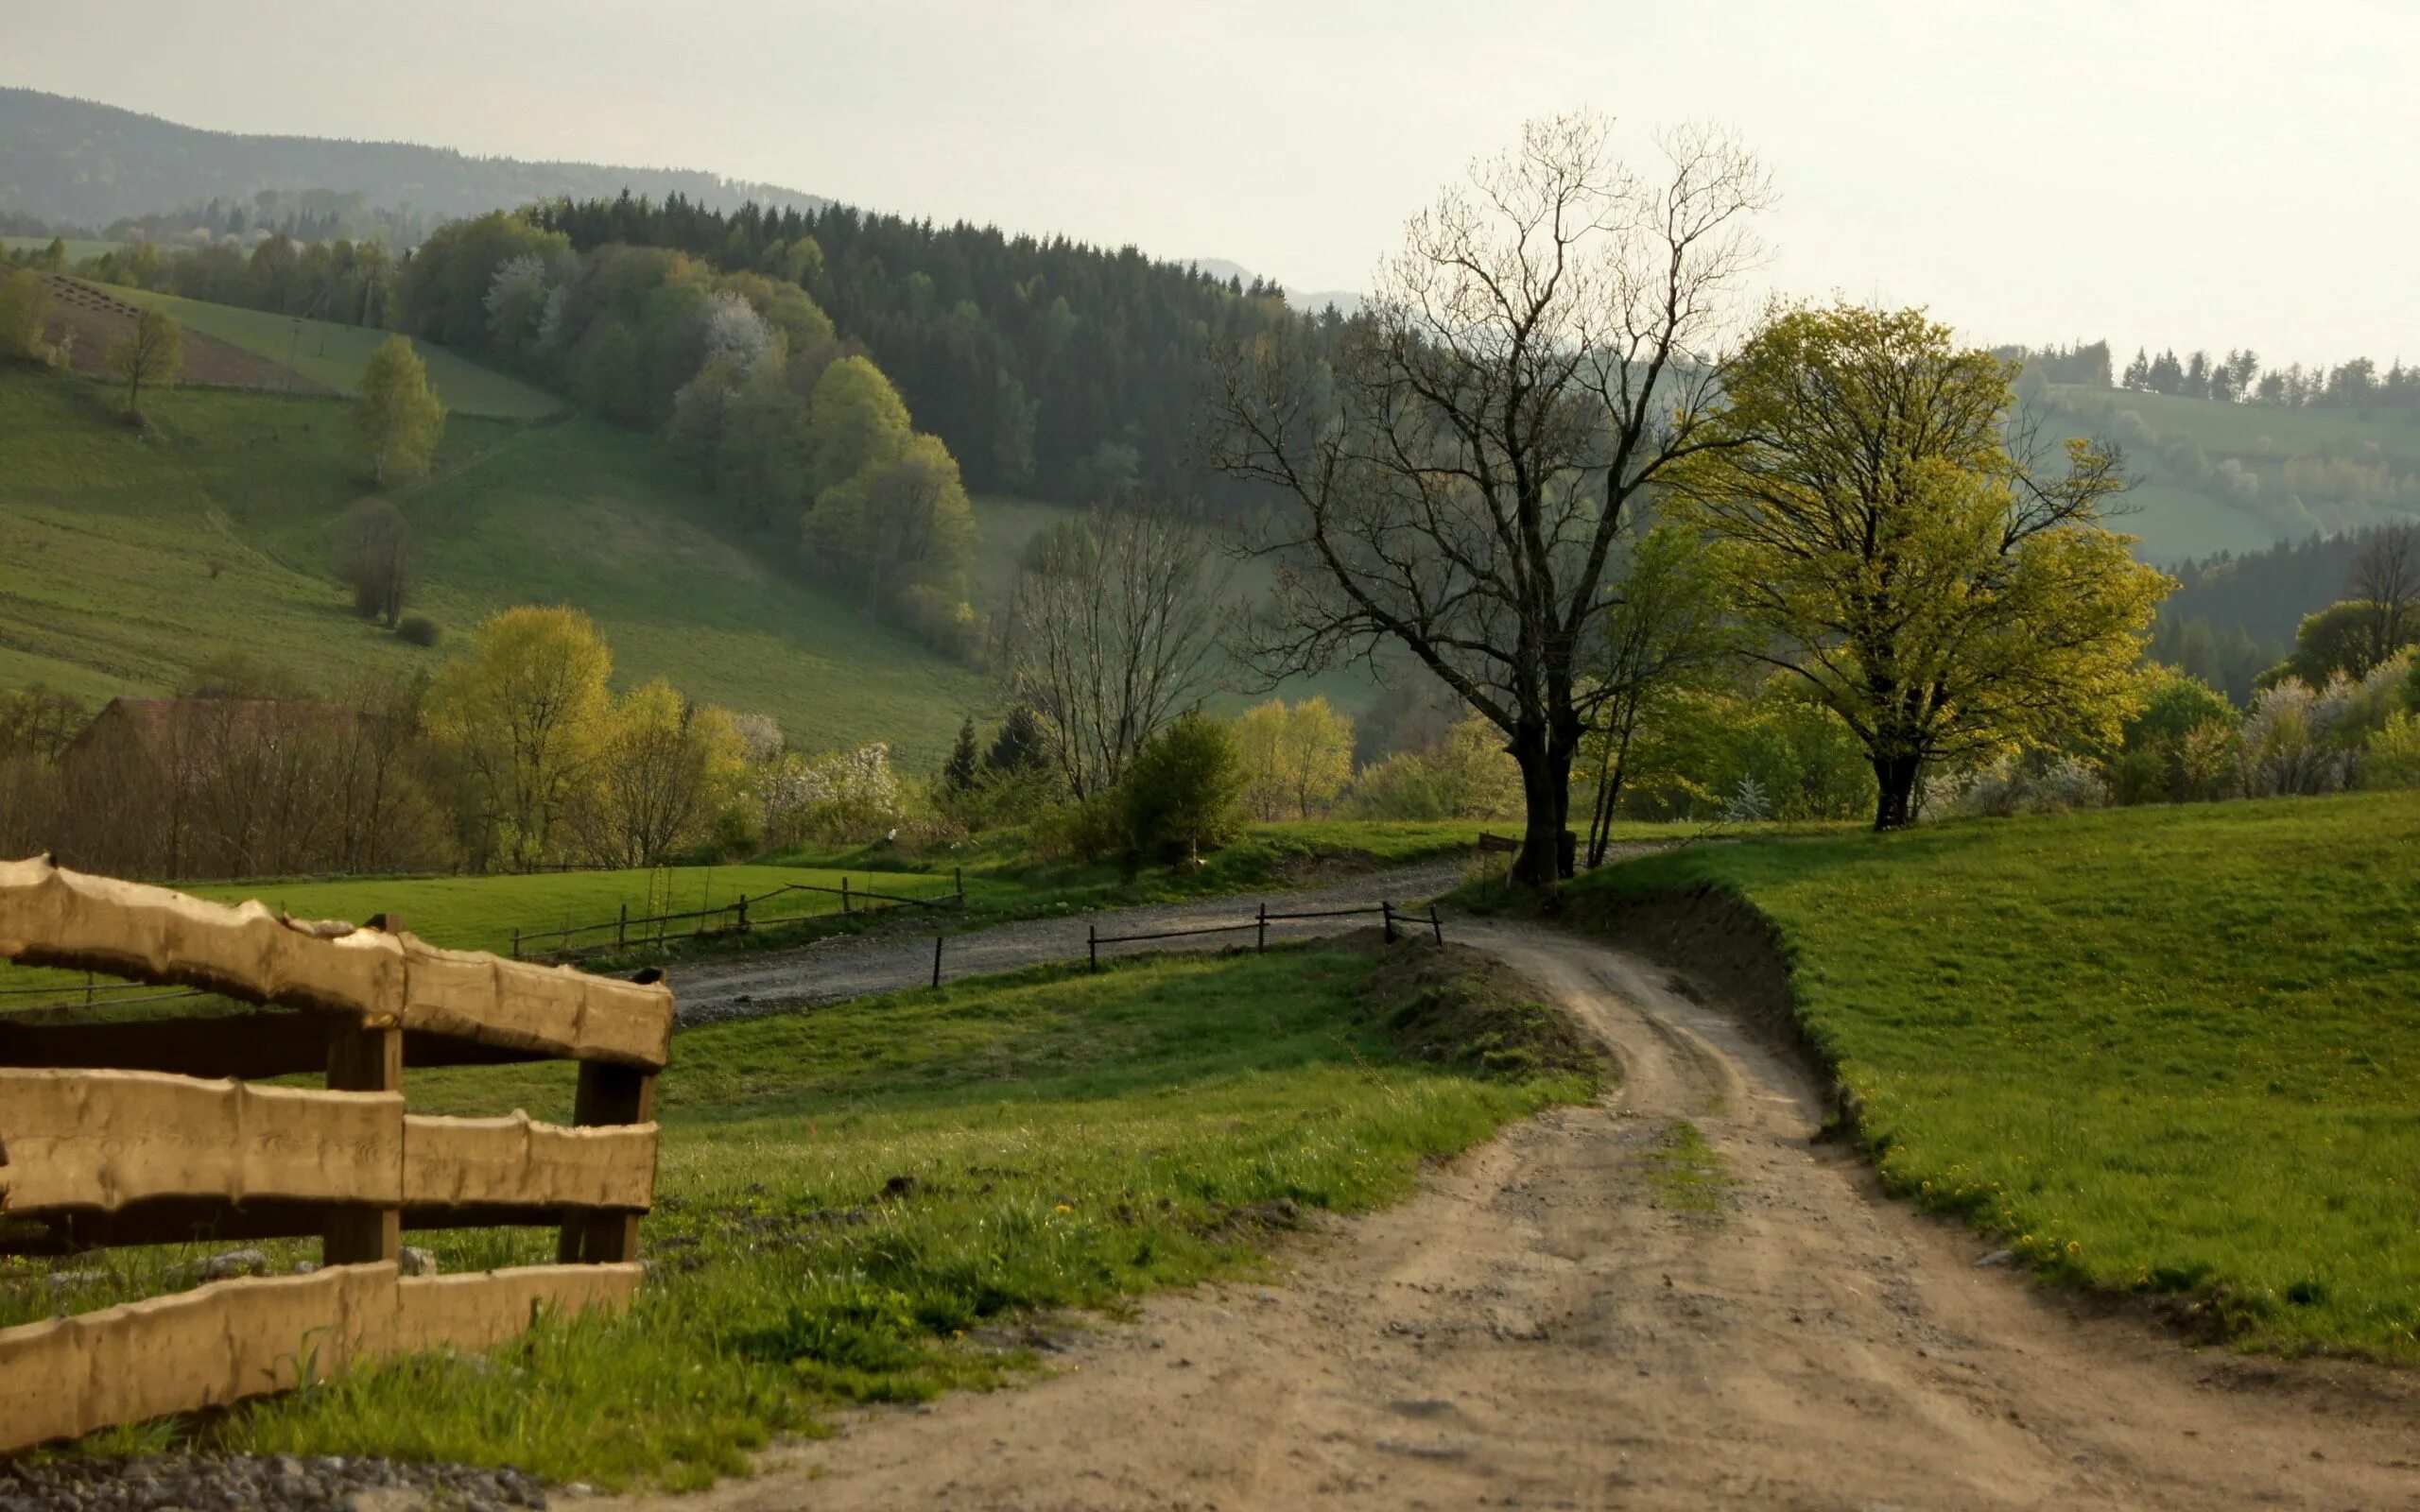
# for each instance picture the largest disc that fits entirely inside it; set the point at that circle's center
(1542, 1326)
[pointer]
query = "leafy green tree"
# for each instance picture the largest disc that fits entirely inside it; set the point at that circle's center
(54, 257)
(2346, 639)
(1184, 793)
(902, 527)
(375, 560)
(153, 354)
(1948, 601)
(24, 312)
(397, 421)
(520, 719)
(855, 420)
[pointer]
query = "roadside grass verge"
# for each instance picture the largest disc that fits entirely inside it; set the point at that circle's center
(869, 1201)
(2168, 1051)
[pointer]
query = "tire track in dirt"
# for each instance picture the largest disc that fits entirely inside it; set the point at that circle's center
(1536, 1330)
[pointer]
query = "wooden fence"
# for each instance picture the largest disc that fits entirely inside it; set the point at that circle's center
(1393, 920)
(152, 1132)
(628, 932)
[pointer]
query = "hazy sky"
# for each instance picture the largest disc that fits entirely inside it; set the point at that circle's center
(2202, 173)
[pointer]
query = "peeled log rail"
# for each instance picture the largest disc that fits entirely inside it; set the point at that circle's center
(104, 1139)
(220, 1343)
(53, 916)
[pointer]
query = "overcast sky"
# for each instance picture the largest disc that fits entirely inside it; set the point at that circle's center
(2200, 173)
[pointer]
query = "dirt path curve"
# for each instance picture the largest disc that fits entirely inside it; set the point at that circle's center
(854, 966)
(1534, 1330)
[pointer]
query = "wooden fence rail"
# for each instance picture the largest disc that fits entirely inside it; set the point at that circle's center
(152, 1131)
(745, 913)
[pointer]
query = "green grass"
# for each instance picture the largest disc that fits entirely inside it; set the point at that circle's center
(1685, 1173)
(2169, 1051)
(867, 1202)
(2177, 518)
(337, 355)
(78, 248)
(127, 559)
(482, 913)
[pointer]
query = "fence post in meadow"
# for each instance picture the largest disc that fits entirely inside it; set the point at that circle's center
(363, 1059)
(1261, 939)
(958, 876)
(1092, 945)
(1386, 912)
(622, 928)
(1436, 925)
(937, 960)
(516, 942)
(844, 894)
(743, 913)
(607, 1095)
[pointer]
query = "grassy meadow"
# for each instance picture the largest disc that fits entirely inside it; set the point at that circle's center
(337, 355)
(2177, 518)
(2163, 1051)
(866, 1203)
(127, 559)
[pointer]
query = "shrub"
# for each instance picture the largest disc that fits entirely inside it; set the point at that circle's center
(2392, 756)
(1184, 793)
(419, 629)
(2035, 782)
(1090, 829)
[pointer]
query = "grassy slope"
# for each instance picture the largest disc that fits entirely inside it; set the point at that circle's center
(1065, 1140)
(107, 542)
(2168, 1051)
(78, 248)
(2177, 521)
(337, 355)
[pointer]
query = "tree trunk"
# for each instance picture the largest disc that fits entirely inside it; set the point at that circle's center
(1546, 792)
(1896, 777)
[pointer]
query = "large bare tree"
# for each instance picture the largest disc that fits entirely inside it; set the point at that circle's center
(1543, 348)
(1111, 635)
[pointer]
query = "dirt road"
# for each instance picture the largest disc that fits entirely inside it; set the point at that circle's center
(1538, 1329)
(847, 967)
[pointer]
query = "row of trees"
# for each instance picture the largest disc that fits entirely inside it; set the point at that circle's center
(2237, 377)
(516, 753)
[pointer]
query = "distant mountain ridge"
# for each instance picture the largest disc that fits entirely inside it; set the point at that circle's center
(80, 163)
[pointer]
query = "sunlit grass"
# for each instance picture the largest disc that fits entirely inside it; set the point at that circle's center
(2167, 1051)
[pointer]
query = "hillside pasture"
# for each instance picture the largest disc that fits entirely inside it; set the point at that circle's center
(78, 248)
(127, 559)
(333, 357)
(2164, 1052)
(86, 320)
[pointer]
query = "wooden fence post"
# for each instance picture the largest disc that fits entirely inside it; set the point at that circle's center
(362, 1060)
(607, 1095)
(844, 894)
(1092, 945)
(622, 928)
(516, 942)
(958, 875)
(1436, 925)
(743, 913)
(1262, 941)
(1386, 912)
(937, 960)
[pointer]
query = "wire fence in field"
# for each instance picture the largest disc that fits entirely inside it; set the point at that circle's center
(789, 903)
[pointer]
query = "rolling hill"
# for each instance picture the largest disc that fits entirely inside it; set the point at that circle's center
(128, 557)
(2222, 477)
(87, 164)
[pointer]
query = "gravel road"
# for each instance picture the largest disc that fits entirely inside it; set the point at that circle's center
(848, 967)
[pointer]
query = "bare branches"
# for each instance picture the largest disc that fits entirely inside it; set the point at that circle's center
(1542, 351)
(1111, 635)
